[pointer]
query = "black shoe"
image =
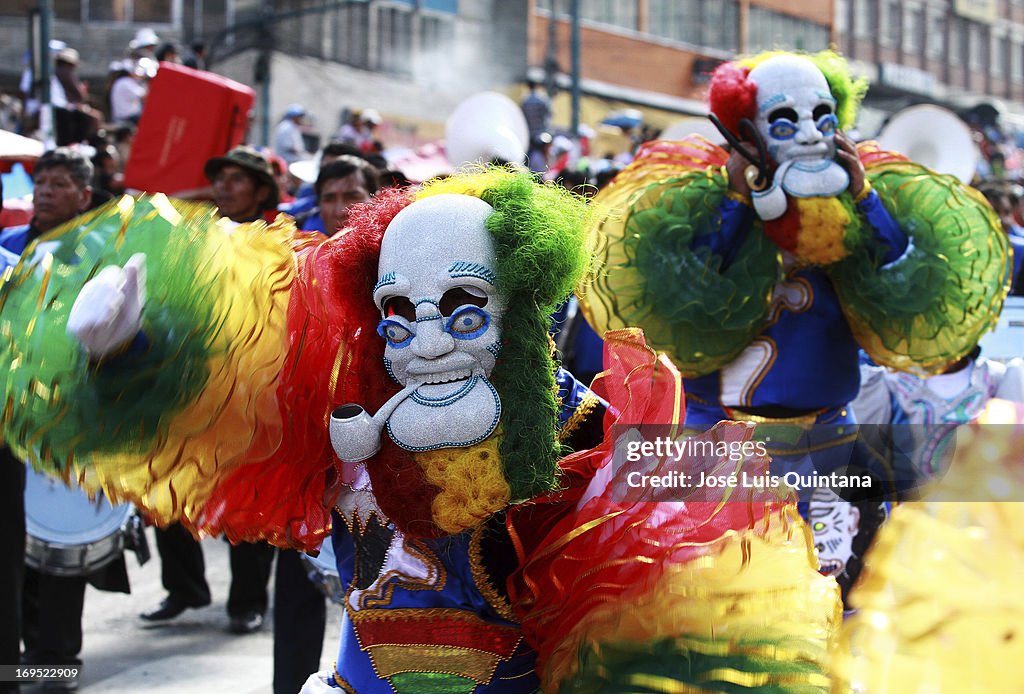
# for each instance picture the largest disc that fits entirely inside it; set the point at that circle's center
(170, 608)
(246, 623)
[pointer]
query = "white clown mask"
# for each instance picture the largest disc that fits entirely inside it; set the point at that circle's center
(796, 118)
(441, 320)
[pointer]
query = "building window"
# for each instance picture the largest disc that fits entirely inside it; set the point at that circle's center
(890, 23)
(436, 32)
(912, 24)
(214, 18)
(21, 8)
(147, 11)
(618, 13)
(98, 11)
(976, 49)
(957, 42)
(1016, 60)
(313, 28)
(394, 40)
(62, 9)
(705, 23)
(351, 40)
(936, 35)
(998, 50)
(863, 18)
(770, 30)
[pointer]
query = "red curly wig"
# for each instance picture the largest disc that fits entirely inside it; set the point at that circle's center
(731, 95)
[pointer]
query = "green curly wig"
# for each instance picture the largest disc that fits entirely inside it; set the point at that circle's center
(538, 230)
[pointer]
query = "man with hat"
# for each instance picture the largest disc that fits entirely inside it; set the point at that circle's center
(141, 51)
(74, 119)
(144, 43)
(243, 184)
(127, 91)
(43, 609)
(288, 136)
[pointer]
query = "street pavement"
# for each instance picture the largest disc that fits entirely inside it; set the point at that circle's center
(192, 654)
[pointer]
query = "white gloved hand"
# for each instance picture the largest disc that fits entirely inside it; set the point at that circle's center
(108, 311)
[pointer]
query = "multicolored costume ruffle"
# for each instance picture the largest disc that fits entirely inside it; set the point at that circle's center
(922, 311)
(190, 422)
(623, 589)
(647, 274)
(930, 307)
(218, 414)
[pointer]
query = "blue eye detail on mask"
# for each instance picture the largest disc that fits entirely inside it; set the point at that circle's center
(782, 130)
(467, 323)
(827, 124)
(395, 333)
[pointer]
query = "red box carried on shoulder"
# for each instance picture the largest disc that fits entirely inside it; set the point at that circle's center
(189, 116)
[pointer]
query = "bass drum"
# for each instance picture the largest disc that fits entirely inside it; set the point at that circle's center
(323, 572)
(66, 534)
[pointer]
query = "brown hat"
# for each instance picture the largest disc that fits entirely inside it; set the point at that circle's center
(252, 161)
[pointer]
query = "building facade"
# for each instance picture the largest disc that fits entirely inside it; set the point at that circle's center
(646, 49)
(958, 53)
(413, 60)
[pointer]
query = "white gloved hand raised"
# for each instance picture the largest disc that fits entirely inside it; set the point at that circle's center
(108, 311)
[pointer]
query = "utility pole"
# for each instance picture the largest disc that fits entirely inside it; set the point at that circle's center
(574, 44)
(744, 27)
(263, 63)
(551, 67)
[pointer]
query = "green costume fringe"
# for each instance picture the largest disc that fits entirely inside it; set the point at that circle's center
(538, 234)
(931, 306)
(114, 409)
(688, 305)
(539, 237)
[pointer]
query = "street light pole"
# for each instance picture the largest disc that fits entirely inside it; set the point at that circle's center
(45, 105)
(574, 11)
(551, 67)
(263, 67)
(263, 77)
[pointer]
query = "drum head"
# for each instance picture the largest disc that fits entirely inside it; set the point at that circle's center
(64, 516)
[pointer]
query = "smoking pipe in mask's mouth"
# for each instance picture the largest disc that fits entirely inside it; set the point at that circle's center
(355, 435)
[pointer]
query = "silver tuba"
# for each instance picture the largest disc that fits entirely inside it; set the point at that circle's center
(485, 127)
(934, 137)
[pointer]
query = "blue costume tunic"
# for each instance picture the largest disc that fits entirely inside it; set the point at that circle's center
(805, 358)
(429, 615)
(12, 244)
